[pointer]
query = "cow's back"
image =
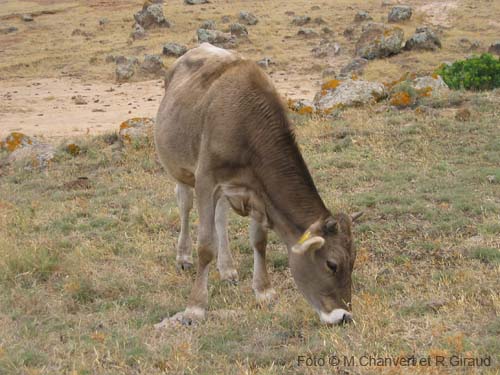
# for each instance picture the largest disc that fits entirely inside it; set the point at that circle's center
(179, 122)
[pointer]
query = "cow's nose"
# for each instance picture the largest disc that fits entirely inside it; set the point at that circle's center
(347, 318)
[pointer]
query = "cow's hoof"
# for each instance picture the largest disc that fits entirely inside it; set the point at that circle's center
(184, 266)
(189, 317)
(266, 297)
(229, 275)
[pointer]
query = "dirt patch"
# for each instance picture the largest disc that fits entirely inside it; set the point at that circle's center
(438, 13)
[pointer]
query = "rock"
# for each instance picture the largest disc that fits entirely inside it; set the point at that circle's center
(378, 40)
(423, 39)
(302, 106)
(348, 32)
(265, 62)
(80, 32)
(301, 20)
(152, 64)
(362, 16)
(491, 178)
(124, 71)
(174, 49)
(355, 66)
(27, 18)
(400, 13)
(328, 49)
(208, 25)
(216, 37)
(34, 156)
(433, 84)
(8, 29)
(329, 72)
(319, 21)
(307, 33)
(103, 22)
(248, 18)
(469, 45)
(151, 16)
(195, 2)
(238, 30)
(136, 129)
(110, 59)
(495, 48)
(138, 32)
(463, 115)
(327, 30)
(79, 100)
(348, 93)
(126, 60)
(225, 19)
(16, 140)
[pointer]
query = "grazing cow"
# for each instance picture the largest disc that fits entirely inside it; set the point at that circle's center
(222, 129)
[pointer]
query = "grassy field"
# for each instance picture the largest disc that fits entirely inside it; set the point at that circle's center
(87, 269)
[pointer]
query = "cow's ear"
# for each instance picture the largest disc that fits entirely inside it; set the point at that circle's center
(331, 226)
(308, 245)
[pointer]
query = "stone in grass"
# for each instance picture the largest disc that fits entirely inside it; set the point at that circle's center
(378, 40)
(423, 39)
(124, 71)
(27, 18)
(248, 18)
(265, 62)
(307, 33)
(238, 30)
(195, 2)
(301, 20)
(138, 32)
(302, 106)
(152, 64)
(136, 129)
(362, 16)
(174, 49)
(216, 37)
(151, 16)
(495, 48)
(400, 13)
(16, 140)
(27, 152)
(208, 25)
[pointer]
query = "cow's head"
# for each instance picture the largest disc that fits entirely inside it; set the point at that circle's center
(321, 263)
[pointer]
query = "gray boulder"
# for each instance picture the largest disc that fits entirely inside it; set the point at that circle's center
(400, 13)
(328, 49)
(216, 37)
(174, 49)
(238, 30)
(495, 48)
(434, 85)
(248, 18)
(138, 32)
(307, 33)
(301, 20)
(126, 60)
(378, 40)
(136, 129)
(348, 93)
(423, 39)
(36, 156)
(355, 66)
(152, 64)
(27, 18)
(151, 16)
(124, 71)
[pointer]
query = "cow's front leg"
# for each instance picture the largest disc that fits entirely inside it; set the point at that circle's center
(207, 250)
(260, 283)
(224, 258)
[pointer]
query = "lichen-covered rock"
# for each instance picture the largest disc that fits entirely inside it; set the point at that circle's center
(335, 93)
(33, 156)
(248, 18)
(138, 32)
(174, 49)
(216, 37)
(124, 71)
(307, 33)
(238, 30)
(195, 2)
(432, 85)
(208, 25)
(136, 129)
(423, 39)
(362, 16)
(302, 106)
(16, 140)
(495, 48)
(151, 16)
(378, 40)
(152, 64)
(301, 20)
(120, 59)
(355, 66)
(328, 49)
(400, 13)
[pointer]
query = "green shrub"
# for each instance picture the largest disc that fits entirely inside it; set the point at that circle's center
(477, 73)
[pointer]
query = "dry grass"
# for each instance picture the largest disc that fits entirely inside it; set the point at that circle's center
(87, 270)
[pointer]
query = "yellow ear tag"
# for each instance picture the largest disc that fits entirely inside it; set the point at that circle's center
(305, 237)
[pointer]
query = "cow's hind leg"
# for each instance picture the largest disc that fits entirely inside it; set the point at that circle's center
(184, 195)
(260, 283)
(224, 258)
(207, 250)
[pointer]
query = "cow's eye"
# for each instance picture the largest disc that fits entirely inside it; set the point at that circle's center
(332, 265)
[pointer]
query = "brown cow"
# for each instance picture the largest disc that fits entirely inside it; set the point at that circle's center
(222, 130)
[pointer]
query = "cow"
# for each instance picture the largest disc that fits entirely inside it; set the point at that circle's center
(222, 130)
